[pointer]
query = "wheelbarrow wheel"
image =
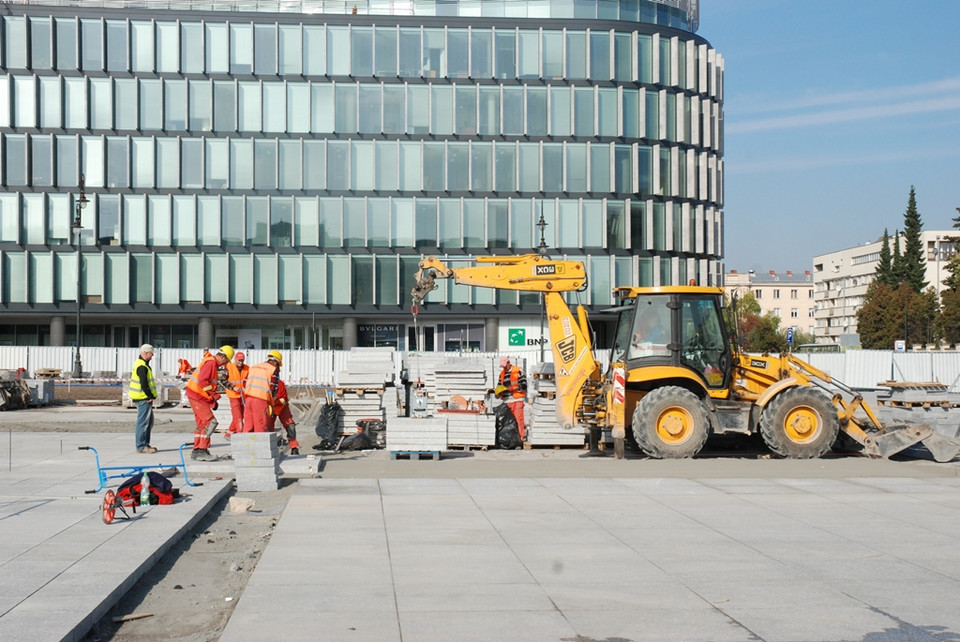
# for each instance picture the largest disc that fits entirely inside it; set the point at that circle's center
(109, 507)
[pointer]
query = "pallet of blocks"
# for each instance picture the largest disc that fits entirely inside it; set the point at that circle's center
(361, 385)
(356, 405)
(408, 437)
(469, 428)
(543, 428)
(374, 367)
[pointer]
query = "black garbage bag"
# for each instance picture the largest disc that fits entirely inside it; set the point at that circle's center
(327, 426)
(508, 434)
(369, 436)
(375, 430)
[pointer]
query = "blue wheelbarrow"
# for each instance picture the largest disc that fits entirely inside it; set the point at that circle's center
(111, 502)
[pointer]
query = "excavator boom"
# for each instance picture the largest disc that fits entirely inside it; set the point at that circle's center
(574, 362)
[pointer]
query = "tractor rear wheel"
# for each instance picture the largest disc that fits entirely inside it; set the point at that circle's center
(800, 423)
(670, 423)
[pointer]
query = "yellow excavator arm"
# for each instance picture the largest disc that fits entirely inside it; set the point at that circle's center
(574, 363)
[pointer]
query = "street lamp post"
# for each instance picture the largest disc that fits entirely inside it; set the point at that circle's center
(77, 228)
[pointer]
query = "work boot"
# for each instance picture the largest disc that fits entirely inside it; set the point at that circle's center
(294, 451)
(202, 455)
(147, 450)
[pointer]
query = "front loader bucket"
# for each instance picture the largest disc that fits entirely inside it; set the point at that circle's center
(896, 439)
(942, 448)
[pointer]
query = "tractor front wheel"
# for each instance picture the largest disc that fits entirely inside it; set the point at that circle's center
(670, 423)
(800, 423)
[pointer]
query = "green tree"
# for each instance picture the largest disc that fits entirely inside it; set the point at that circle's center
(878, 322)
(896, 262)
(913, 261)
(948, 322)
(885, 272)
(747, 310)
(766, 336)
(800, 338)
(952, 281)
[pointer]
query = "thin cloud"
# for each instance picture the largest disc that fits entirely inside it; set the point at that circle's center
(793, 164)
(758, 104)
(860, 113)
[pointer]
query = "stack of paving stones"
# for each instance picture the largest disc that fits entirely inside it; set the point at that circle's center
(928, 403)
(543, 429)
(415, 436)
(469, 428)
(469, 379)
(256, 460)
(361, 385)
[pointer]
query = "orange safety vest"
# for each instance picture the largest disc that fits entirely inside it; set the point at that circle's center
(258, 382)
(511, 380)
(236, 377)
(194, 384)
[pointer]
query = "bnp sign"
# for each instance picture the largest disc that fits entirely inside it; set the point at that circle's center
(518, 338)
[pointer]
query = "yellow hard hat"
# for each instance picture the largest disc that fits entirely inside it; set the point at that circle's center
(226, 351)
(275, 354)
(499, 390)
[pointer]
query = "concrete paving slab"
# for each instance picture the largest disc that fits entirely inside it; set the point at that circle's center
(634, 549)
(62, 566)
(726, 559)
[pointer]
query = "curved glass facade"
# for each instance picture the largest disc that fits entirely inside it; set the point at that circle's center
(300, 164)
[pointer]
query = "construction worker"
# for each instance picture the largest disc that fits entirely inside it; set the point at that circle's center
(281, 411)
(183, 369)
(264, 400)
(237, 373)
(143, 390)
(512, 378)
(202, 393)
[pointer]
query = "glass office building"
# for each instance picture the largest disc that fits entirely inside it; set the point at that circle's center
(276, 169)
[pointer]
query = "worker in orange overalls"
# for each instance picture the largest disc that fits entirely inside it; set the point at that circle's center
(202, 393)
(264, 400)
(237, 373)
(512, 378)
(184, 369)
(281, 411)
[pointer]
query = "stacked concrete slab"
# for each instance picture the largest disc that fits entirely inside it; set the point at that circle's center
(920, 403)
(417, 434)
(467, 378)
(257, 461)
(469, 427)
(360, 386)
(543, 428)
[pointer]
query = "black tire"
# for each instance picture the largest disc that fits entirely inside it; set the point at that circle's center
(670, 423)
(800, 423)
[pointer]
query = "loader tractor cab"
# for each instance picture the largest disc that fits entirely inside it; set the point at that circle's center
(673, 328)
(675, 356)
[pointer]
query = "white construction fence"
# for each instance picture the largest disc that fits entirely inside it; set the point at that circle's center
(866, 369)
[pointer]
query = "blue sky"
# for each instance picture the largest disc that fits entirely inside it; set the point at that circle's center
(833, 109)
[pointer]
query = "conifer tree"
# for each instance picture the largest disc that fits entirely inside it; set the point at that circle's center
(885, 265)
(913, 261)
(896, 263)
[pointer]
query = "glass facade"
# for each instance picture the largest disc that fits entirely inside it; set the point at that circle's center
(300, 164)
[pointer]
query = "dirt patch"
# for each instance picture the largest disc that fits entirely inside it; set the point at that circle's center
(190, 594)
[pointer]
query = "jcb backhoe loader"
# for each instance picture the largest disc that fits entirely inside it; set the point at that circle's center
(674, 375)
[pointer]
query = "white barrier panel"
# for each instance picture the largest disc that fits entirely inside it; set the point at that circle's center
(855, 368)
